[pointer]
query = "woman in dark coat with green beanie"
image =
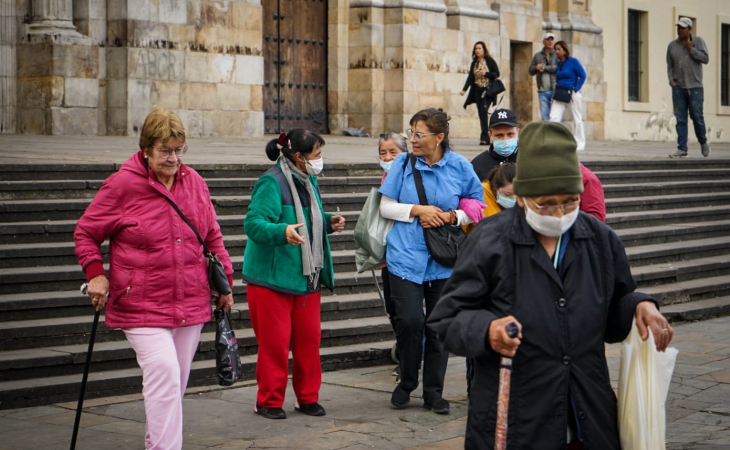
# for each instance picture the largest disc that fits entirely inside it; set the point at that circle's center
(286, 262)
(563, 277)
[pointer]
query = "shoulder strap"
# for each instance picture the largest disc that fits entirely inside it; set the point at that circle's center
(206, 250)
(419, 181)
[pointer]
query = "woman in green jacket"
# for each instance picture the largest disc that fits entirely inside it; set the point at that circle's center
(286, 262)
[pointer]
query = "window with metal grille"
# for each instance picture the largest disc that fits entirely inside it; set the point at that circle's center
(725, 65)
(634, 31)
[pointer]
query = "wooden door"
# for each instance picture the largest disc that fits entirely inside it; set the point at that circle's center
(295, 65)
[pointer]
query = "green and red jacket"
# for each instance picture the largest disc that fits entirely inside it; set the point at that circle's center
(269, 260)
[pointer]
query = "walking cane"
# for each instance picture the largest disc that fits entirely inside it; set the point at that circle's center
(85, 377)
(505, 373)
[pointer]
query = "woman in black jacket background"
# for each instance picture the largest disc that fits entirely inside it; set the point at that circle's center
(482, 71)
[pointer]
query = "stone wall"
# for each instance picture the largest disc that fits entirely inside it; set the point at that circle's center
(100, 66)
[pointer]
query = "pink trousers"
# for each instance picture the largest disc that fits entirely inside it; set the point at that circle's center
(165, 356)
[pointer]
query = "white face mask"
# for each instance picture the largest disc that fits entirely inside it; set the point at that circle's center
(549, 225)
(315, 166)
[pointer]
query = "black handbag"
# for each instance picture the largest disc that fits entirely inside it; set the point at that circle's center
(562, 94)
(444, 242)
(216, 275)
(494, 88)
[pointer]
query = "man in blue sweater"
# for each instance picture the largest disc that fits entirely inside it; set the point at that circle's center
(685, 57)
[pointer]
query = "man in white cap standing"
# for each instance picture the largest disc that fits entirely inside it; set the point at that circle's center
(543, 67)
(685, 57)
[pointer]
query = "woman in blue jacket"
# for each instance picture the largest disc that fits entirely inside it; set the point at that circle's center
(570, 75)
(413, 274)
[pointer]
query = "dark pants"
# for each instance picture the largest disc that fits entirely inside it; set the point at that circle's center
(387, 300)
(409, 329)
(689, 100)
(483, 110)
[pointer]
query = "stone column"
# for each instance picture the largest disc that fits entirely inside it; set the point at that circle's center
(8, 85)
(52, 17)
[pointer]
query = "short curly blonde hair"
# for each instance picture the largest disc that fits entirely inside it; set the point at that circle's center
(160, 124)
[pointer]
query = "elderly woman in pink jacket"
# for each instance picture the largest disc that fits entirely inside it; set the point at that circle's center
(157, 283)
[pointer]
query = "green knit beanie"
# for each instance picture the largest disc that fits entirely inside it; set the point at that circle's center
(547, 162)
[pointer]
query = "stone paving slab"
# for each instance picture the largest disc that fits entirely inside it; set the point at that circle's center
(18, 149)
(359, 416)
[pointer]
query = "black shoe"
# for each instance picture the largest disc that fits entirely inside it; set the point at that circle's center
(400, 398)
(310, 409)
(269, 413)
(439, 406)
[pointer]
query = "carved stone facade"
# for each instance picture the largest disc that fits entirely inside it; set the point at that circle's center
(98, 67)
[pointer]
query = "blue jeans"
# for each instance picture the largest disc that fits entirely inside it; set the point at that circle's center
(545, 98)
(689, 99)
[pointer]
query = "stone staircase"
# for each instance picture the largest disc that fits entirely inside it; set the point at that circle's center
(673, 217)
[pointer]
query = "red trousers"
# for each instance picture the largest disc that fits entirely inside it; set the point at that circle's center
(280, 320)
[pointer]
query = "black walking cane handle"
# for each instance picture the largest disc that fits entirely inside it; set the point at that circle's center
(512, 330)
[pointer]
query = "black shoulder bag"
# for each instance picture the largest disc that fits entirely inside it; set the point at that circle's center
(216, 275)
(444, 242)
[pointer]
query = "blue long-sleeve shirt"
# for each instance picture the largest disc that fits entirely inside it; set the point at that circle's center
(570, 74)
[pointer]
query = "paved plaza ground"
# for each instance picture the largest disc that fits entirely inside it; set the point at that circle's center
(359, 415)
(19, 149)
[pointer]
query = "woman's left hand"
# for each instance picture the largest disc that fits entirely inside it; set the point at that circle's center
(445, 219)
(649, 317)
(338, 223)
(224, 302)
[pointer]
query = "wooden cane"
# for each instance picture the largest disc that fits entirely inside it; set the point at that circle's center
(85, 377)
(505, 373)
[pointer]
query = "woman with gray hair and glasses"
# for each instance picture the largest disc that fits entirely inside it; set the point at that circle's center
(390, 146)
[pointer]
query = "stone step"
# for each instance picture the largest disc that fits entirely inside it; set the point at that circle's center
(66, 209)
(698, 309)
(635, 219)
(96, 171)
(37, 333)
(50, 189)
(664, 273)
(118, 354)
(54, 389)
(673, 232)
(62, 230)
(660, 176)
(663, 202)
(13, 172)
(62, 253)
(641, 255)
(690, 290)
(669, 187)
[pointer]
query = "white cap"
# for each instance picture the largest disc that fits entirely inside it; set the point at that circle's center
(548, 35)
(684, 22)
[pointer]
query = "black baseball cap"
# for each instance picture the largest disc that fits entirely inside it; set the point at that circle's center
(503, 116)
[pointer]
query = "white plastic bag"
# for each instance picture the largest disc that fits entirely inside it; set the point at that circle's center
(643, 385)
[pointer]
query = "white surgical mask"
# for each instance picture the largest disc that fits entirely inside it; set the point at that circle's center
(550, 226)
(315, 166)
(386, 165)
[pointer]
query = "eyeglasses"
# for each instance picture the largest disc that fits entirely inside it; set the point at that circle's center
(549, 210)
(167, 152)
(417, 136)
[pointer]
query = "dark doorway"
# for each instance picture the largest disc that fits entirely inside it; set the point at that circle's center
(295, 65)
(521, 82)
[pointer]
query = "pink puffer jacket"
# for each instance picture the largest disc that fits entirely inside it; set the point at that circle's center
(157, 273)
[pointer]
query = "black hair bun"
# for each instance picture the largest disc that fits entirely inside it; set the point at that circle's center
(272, 150)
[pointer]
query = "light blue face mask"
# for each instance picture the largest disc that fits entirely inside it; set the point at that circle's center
(505, 202)
(505, 147)
(386, 165)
